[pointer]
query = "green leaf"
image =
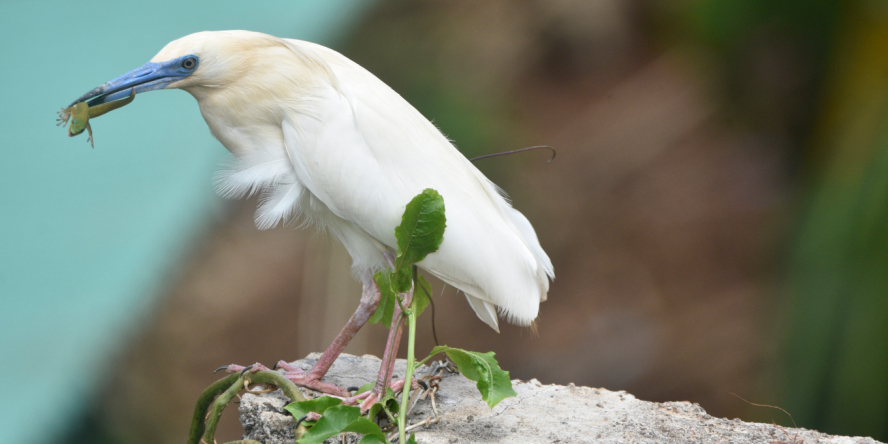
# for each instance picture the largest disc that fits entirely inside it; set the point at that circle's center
(335, 420)
(421, 295)
(367, 428)
(372, 439)
(387, 402)
(411, 439)
(317, 405)
(375, 409)
(365, 388)
(343, 418)
(420, 233)
(493, 382)
(402, 279)
(386, 308)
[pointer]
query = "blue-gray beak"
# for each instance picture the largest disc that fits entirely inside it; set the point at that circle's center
(148, 77)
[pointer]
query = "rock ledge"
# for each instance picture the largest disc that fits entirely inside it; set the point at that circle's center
(539, 414)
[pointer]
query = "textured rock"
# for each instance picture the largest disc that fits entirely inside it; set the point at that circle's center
(539, 414)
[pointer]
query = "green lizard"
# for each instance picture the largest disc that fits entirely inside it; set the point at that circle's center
(82, 112)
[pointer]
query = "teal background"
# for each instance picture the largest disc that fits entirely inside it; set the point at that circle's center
(86, 235)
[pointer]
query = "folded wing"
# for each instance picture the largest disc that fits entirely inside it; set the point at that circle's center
(365, 152)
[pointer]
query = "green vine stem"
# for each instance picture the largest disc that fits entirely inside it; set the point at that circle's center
(217, 396)
(216, 410)
(203, 403)
(408, 381)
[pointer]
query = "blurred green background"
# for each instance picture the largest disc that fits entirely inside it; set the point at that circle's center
(717, 214)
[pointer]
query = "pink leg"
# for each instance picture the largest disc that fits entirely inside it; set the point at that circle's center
(387, 367)
(391, 349)
(312, 379)
(369, 302)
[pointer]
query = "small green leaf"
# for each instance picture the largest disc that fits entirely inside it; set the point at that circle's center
(421, 295)
(411, 439)
(375, 409)
(493, 382)
(335, 420)
(317, 405)
(392, 404)
(365, 388)
(420, 233)
(386, 308)
(387, 402)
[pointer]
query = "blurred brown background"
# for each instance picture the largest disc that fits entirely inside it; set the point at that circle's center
(715, 214)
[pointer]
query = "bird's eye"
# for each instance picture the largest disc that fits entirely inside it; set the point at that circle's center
(189, 63)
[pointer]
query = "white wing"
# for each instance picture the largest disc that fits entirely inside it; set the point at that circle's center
(365, 152)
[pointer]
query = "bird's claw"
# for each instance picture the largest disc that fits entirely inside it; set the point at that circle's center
(288, 368)
(310, 416)
(234, 368)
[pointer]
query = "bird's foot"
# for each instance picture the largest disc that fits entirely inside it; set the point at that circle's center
(297, 375)
(310, 380)
(368, 398)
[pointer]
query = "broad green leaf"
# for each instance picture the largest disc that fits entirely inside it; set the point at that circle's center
(421, 295)
(420, 233)
(367, 428)
(372, 439)
(343, 418)
(335, 420)
(411, 439)
(386, 308)
(402, 279)
(493, 382)
(317, 405)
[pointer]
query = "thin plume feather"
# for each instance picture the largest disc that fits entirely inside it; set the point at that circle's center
(280, 203)
(249, 175)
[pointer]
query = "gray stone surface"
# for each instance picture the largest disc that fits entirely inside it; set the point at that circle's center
(539, 414)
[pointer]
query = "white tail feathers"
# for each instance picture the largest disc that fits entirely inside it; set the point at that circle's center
(545, 270)
(485, 311)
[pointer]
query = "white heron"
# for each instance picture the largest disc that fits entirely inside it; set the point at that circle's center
(323, 139)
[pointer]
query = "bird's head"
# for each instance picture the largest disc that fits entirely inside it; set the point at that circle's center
(210, 59)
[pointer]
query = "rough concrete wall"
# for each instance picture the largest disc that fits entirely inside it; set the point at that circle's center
(539, 414)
